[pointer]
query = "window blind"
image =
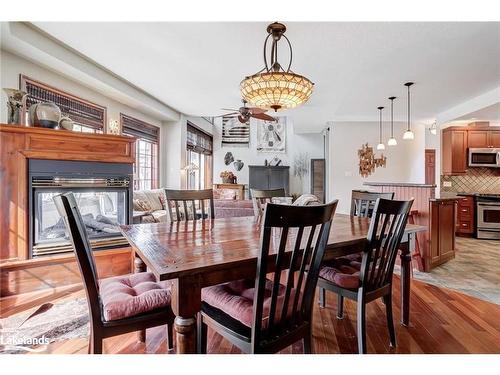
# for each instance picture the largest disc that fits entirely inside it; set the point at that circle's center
(199, 141)
(82, 112)
(139, 128)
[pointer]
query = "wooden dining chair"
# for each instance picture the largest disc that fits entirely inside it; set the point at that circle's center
(184, 205)
(261, 197)
(372, 278)
(362, 205)
(119, 304)
(362, 202)
(265, 315)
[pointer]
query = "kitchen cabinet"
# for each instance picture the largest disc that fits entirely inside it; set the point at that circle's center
(442, 232)
(495, 138)
(483, 138)
(454, 151)
(465, 216)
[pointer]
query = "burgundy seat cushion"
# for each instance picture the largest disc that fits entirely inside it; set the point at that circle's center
(130, 295)
(236, 300)
(342, 271)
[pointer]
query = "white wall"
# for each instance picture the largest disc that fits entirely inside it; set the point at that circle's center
(405, 162)
(310, 143)
(12, 66)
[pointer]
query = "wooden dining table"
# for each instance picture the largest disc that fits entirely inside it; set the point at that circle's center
(202, 253)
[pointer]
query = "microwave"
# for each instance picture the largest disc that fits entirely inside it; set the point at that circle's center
(484, 157)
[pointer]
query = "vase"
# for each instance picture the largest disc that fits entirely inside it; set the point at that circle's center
(44, 115)
(66, 123)
(15, 103)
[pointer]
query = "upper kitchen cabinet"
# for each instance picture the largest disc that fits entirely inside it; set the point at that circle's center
(495, 138)
(483, 138)
(454, 151)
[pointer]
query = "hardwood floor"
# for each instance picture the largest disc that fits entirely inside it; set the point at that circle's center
(442, 321)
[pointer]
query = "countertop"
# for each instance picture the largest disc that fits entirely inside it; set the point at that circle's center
(403, 184)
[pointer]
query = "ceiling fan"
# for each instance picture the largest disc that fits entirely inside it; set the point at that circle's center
(245, 113)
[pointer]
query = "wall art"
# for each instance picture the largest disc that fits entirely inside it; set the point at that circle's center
(234, 133)
(368, 162)
(271, 136)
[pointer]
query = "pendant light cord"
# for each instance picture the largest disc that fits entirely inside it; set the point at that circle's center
(408, 127)
(392, 118)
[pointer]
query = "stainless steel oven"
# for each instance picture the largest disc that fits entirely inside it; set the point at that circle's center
(484, 157)
(488, 217)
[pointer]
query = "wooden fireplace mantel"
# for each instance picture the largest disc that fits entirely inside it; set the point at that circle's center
(20, 143)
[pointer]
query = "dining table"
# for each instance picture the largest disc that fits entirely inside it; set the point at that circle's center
(201, 253)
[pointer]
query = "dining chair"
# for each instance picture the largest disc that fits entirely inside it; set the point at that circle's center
(118, 304)
(265, 315)
(190, 204)
(362, 204)
(261, 197)
(372, 278)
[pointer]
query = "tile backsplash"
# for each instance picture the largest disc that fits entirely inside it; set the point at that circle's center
(476, 180)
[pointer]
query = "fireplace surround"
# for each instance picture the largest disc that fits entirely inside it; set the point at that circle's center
(103, 192)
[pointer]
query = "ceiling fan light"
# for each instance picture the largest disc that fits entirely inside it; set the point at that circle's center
(392, 141)
(380, 146)
(408, 135)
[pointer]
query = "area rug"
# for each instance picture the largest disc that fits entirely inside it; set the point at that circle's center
(34, 328)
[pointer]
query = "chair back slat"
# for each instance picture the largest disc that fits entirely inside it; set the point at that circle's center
(187, 201)
(290, 277)
(298, 264)
(302, 269)
(261, 197)
(362, 202)
(277, 277)
(68, 209)
(384, 238)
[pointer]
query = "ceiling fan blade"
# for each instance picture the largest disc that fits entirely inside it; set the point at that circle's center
(263, 116)
(256, 110)
(228, 115)
(230, 109)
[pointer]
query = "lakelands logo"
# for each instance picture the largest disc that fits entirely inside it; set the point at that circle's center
(24, 344)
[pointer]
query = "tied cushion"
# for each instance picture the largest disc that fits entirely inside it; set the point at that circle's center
(343, 271)
(130, 295)
(236, 300)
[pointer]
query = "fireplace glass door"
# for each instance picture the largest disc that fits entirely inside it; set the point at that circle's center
(102, 213)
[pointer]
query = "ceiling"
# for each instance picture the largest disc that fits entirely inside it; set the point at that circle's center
(491, 113)
(196, 67)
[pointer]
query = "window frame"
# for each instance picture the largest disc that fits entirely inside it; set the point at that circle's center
(155, 154)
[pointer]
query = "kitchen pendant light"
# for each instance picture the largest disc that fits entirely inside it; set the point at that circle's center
(392, 141)
(273, 86)
(408, 135)
(380, 145)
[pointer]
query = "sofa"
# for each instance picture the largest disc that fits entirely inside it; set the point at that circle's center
(149, 206)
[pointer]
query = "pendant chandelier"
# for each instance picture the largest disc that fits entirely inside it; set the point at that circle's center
(392, 141)
(380, 145)
(273, 86)
(408, 135)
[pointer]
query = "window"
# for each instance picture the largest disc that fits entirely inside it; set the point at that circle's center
(146, 151)
(88, 117)
(199, 153)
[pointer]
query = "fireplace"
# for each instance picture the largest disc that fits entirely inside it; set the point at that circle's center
(103, 192)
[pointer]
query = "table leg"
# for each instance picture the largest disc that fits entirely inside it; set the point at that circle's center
(140, 266)
(405, 278)
(186, 303)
